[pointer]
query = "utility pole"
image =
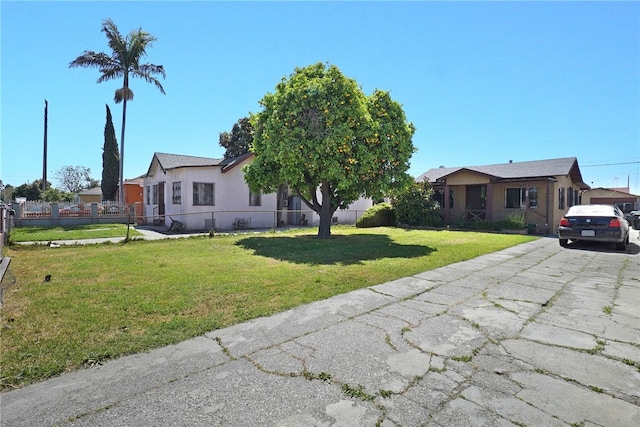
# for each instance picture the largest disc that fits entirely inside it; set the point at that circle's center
(44, 157)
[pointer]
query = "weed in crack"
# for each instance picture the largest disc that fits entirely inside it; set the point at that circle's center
(357, 392)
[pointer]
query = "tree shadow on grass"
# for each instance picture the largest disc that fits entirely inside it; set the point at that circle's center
(344, 250)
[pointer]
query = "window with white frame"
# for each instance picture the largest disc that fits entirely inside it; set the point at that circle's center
(154, 192)
(176, 193)
(561, 198)
(255, 199)
(203, 194)
(514, 198)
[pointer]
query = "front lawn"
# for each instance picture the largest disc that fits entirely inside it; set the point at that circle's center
(105, 301)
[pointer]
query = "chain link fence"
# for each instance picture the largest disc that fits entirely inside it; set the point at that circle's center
(48, 225)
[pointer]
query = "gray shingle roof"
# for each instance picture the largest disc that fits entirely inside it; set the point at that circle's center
(173, 161)
(515, 170)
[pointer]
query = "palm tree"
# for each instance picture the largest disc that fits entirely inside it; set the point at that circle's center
(124, 61)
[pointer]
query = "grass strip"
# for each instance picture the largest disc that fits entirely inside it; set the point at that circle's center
(70, 232)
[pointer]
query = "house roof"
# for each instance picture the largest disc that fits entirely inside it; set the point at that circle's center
(173, 161)
(232, 163)
(516, 170)
(92, 191)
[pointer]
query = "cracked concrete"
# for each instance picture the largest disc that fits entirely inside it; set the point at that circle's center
(535, 335)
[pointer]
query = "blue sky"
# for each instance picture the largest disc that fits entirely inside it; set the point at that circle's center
(483, 82)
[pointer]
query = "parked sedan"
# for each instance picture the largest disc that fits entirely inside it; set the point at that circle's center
(598, 223)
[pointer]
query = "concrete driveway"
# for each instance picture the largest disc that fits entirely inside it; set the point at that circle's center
(534, 335)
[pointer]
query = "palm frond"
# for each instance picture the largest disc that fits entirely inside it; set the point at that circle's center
(115, 40)
(91, 59)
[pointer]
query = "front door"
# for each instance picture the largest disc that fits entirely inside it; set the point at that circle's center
(476, 202)
(161, 199)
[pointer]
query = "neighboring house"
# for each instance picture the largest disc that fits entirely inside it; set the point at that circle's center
(92, 195)
(541, 190)
(611, 196)
(133, 190)
(206, 193)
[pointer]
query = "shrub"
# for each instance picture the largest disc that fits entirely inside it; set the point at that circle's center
(380, 215)
(416, 206)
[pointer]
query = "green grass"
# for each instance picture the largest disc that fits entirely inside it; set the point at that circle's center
(72, 232)
(105, 301)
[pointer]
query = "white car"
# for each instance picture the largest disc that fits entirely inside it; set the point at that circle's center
(598, 223)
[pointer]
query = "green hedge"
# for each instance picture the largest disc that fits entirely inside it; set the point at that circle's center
(380, 215)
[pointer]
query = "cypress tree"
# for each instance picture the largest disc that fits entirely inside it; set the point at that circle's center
(110, 160)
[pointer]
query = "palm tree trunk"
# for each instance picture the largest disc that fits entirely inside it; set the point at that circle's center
(121, 169)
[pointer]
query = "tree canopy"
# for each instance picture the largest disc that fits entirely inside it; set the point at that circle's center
(74, 178)
(31, 191)
(239, 140)
(320, 134)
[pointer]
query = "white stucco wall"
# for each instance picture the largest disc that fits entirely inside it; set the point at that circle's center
(231, 199)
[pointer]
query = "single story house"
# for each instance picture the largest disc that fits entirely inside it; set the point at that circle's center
(611, 196)
(541, 190)
(206, 193)
(92, 195)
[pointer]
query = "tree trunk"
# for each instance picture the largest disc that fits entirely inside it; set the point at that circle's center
(121, 168)
(324, 229)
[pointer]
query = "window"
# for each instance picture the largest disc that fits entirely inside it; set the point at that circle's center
(203, 194)
(154, 191)
(570, 197)
(176, 196)
(438, 196)
(255, 199)
(533, 198)
(514, 198)
(451, 199)
(561, 198)
(148, 194)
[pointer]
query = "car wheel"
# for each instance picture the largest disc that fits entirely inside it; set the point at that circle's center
(563, 242)
(621, 246)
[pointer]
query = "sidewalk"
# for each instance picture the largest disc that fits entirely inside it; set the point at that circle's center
(534, 335)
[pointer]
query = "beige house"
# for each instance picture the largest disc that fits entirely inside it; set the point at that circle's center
(541, 190)
(92, 195)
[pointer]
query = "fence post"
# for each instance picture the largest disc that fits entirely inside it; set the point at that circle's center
(128, 226)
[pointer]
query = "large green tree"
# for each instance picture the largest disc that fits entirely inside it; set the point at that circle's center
(110, 160)
(320, 134)
(239, 140)
(124, 62)
(31, 191)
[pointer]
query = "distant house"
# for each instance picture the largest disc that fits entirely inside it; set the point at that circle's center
(206, 193)
(133, 190)
(611, 196)
(92, 195)
(541, 190)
